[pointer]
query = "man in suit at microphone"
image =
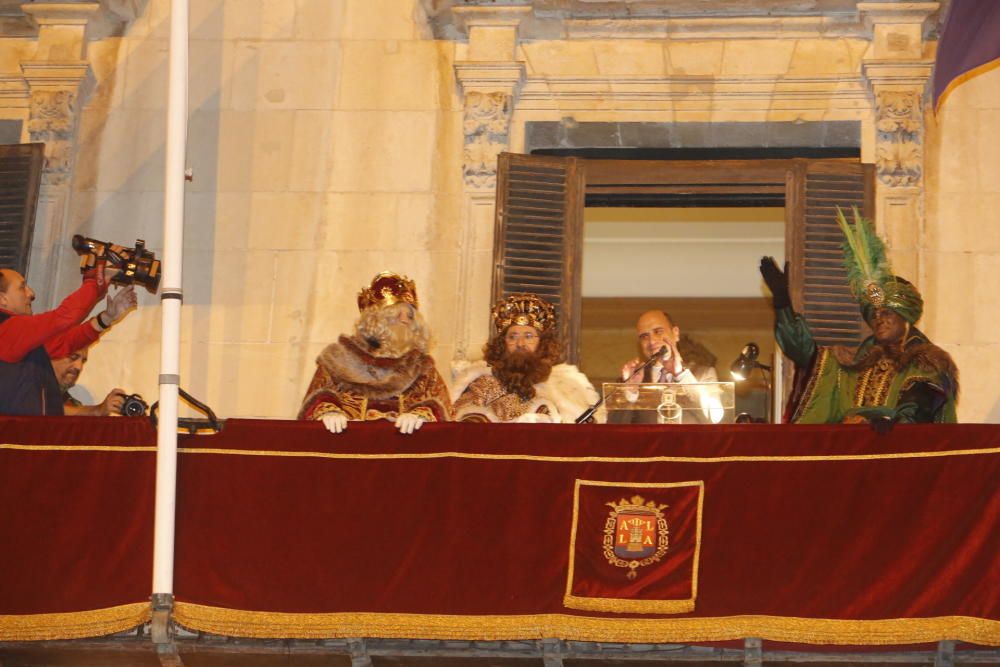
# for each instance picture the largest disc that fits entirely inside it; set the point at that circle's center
(657, 331)
(659, 337)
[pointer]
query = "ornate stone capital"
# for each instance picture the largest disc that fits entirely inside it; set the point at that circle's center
(56, 91)
(899, 130)
(487, 132)
(490, 90)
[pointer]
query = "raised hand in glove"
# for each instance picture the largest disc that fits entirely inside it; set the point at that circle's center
(408, 422)
(121, 303)
(777, 282)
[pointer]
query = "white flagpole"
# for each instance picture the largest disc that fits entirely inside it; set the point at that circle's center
(171, 298)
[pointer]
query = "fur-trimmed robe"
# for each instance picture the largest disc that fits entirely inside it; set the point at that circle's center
(351, 381)
(564, 396)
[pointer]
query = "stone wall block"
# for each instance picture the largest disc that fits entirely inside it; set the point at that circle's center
(552, 59)
(988, 164)
(381, 19)
(217, 220)
(695, 58)
(150, 151)
(284, 220)
(356, 220)
(756, 57)
(987, 287)
(383, 150)
(235, 289)
(146, 70)
(106, 58)
(106, 149)
(319, 19)
(950, 315)
(630, 58)
(296, 307)
(312, 151)
(397, 75)
(252, 19)
(285, 75)
(272, 151)
(828, 56)
(211, 67)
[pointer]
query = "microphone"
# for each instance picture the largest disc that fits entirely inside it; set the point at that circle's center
(588, 415)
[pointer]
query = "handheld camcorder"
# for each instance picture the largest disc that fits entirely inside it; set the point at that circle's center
(137, 265)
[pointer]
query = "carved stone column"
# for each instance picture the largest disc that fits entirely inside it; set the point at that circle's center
(59, 79)
(897, 72)
(490, 78)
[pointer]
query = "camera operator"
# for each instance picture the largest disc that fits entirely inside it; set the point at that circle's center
(67, 365)
(28, 385)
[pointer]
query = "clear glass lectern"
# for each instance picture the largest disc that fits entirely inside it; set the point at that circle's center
(670, 403)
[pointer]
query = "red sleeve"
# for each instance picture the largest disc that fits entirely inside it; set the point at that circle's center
(21, 334)
(68, 342)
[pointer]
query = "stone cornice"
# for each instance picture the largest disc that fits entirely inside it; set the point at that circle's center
(488, 15)
(61, 13)
(506, 76)
(14, 88)
(57, 74)
(900, 73)
(896, 12)
(692, 28)
(754, 94)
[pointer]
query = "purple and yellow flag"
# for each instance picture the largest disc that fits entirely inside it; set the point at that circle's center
(969, 45)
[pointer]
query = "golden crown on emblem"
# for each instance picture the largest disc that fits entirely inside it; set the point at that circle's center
(386, 289)
(523, 310)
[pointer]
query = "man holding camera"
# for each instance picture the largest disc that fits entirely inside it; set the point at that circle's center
(67, 365)
(28, 384)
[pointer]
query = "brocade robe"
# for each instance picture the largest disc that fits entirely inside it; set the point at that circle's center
(351, 381)
(918, 385)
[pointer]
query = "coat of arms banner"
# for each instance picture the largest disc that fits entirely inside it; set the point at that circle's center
(631, 552)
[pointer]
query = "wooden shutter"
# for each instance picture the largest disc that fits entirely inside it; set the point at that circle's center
(20, 175)
(537, 242)
(819, 280)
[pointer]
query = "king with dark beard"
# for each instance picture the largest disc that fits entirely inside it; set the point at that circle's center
(521, 378)
(383, 371)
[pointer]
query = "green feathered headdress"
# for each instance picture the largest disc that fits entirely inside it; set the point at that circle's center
(869, 275)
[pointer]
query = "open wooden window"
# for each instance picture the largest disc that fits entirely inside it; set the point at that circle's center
(20, 176)
(819, 280)
(539, 223)
(538, 241)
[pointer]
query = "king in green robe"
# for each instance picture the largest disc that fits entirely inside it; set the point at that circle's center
(895, 375)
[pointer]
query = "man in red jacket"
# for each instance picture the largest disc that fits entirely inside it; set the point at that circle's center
(28, 385)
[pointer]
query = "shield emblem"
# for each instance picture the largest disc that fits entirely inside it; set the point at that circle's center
(635, 534)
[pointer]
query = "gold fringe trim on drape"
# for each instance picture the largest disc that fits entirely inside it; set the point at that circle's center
(74, 624)
(274, 625)
(962, 78)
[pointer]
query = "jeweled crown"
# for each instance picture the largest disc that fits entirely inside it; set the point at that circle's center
(386, 289)
(523, 310)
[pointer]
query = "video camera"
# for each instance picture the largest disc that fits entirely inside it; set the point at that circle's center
(137, 265)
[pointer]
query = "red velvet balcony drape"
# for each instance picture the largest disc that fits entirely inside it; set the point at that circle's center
(815, 534)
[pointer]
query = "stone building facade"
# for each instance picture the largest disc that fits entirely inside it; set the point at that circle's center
(332, 139)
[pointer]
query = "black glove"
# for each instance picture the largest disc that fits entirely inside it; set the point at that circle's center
(882, 425)
(777, 282)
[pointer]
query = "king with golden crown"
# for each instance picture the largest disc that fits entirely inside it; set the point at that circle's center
(522, 377)
(382, 370)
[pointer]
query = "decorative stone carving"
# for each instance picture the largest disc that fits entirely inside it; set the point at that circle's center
(52, 121)
(899, 139)
(487, 132)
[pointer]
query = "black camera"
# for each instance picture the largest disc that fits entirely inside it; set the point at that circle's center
(137, 265)
(133, 406)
